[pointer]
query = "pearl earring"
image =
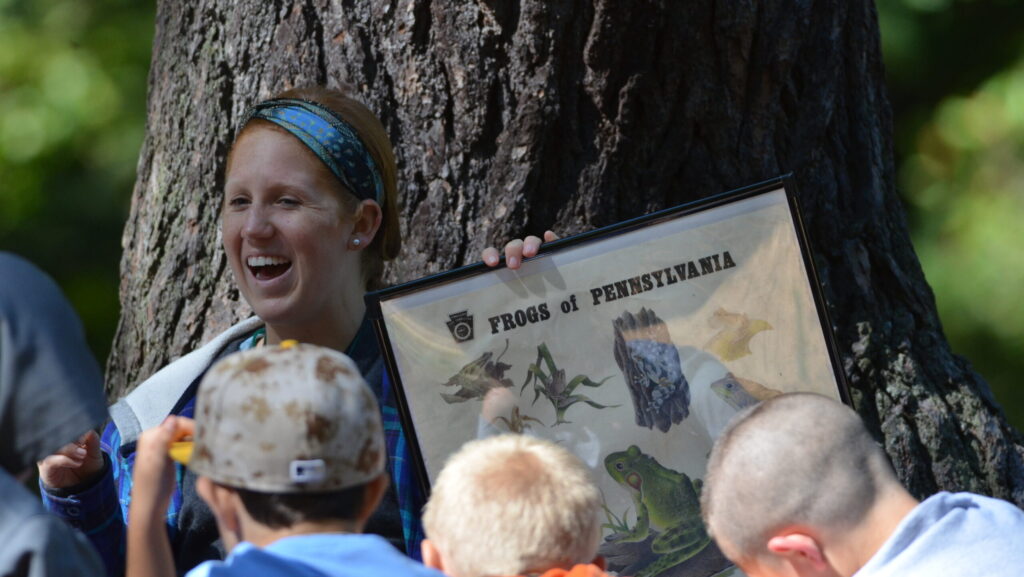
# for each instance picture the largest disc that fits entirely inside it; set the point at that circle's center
(355, 242)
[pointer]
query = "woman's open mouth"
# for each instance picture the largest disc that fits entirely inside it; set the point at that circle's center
(267, 267)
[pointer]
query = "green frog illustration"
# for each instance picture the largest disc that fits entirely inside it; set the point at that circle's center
(664, 499)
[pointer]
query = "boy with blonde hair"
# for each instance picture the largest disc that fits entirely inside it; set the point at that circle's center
(513, 505)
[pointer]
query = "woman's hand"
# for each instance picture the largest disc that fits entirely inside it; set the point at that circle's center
(72, 464)
(516, 250)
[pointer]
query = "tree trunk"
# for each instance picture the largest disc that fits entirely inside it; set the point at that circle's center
(510, 117)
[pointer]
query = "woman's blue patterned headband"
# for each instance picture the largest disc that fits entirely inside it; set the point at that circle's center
(332, 139)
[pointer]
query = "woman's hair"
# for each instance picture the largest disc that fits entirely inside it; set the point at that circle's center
(388, 241)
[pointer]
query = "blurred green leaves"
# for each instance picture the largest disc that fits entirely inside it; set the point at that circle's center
(72, 118)
(965, 182)
(960, 153)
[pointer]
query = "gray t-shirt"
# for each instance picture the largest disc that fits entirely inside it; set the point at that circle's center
(34, 543)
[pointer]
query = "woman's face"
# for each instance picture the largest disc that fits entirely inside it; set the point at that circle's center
(285, 230)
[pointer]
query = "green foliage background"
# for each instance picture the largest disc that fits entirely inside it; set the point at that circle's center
(955, 72)
(72, 119)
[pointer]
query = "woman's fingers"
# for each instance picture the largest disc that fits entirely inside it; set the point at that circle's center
(514, 254)
(59, 461)
(73, 463)
(490, 256)
(517, 250)
(531, 245)
(89, 443)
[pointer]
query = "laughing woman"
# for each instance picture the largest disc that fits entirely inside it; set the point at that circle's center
(308, 219)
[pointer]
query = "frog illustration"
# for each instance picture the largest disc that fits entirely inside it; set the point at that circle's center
(665, 500)
(741, 393)
(478, 377)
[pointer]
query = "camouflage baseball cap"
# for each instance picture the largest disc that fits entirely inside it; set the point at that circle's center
(287, 419)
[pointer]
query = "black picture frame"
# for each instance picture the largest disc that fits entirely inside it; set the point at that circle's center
(444, 364)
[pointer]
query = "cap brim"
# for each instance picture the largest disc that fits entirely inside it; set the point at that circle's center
(181, 451)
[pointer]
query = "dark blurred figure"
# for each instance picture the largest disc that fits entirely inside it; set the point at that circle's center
(51, 393)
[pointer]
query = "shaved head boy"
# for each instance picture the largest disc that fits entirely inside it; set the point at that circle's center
(797, 486)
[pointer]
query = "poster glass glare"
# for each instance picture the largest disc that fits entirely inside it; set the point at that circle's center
(632, 346)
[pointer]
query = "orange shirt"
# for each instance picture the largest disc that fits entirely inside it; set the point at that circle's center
(577, 571)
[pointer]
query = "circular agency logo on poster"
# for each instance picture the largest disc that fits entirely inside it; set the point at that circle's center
(460, 324)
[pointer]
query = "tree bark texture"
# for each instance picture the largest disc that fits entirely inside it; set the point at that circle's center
(510, 117)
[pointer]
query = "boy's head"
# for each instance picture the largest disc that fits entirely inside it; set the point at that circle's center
(294, 433)
(792, 482)
(511, 505)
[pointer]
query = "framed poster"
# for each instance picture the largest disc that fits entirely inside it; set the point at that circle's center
(631, 345)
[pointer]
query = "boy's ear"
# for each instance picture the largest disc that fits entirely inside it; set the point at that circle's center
(372, 496)
(801, 551)
(431, 555)
(224, 503)
(208, 491)
(600, 563)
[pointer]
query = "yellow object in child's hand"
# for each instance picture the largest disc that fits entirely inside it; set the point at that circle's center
(181, 451)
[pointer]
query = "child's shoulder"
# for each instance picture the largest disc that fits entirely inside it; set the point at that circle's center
(248, 560)
(317, 555)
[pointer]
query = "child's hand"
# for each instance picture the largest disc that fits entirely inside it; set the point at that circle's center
(517, 250)
(149, 550)
(153, 474)
(497, 403)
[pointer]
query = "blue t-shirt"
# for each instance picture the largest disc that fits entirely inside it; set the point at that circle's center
(954, 535)
(315, 555)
